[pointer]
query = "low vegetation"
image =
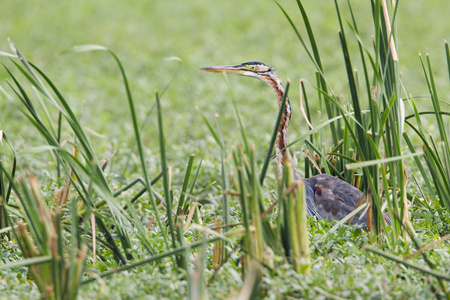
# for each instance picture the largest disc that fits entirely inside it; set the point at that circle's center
(217, 220)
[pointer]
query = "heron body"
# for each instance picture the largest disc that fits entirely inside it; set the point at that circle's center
(333, 198)
(327, 197)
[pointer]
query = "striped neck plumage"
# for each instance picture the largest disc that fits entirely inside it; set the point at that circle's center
(282, 153)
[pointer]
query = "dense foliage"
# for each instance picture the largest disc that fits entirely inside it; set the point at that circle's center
(85, 136)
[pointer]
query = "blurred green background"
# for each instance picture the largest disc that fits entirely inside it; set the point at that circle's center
(201, 33)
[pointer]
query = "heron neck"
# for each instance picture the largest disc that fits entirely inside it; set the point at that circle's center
(282, 153)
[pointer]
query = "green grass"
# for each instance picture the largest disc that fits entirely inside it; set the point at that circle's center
(142, 35)
(145, 33)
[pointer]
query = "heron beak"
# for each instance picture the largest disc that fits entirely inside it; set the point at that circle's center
(237, 69)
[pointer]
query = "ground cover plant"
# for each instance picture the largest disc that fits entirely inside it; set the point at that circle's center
(131, 186)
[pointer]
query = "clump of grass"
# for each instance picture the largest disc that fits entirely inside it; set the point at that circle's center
(436, 150)
(377, 139)
(6, 184)
(108, 226)
(370, 141)
(57, 269)
(288, 235)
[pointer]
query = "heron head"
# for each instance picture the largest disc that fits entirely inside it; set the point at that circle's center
(254, 69)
